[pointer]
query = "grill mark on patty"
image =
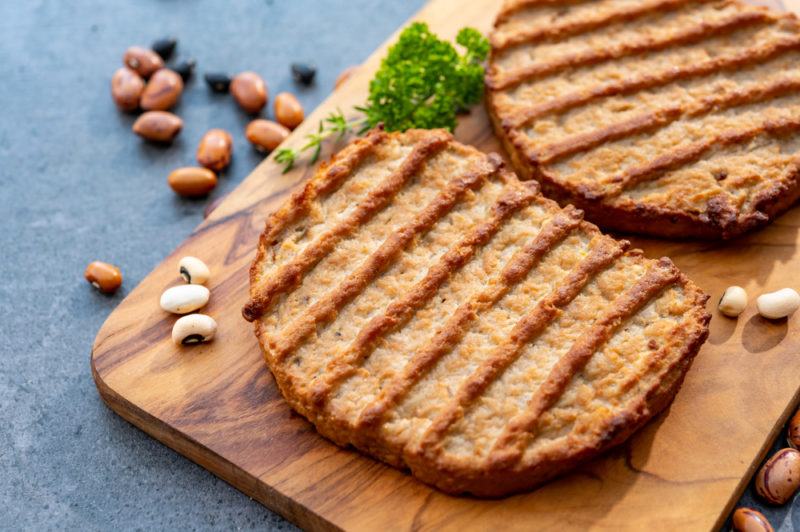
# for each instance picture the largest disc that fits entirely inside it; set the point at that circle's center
(658, 118)
(513, 7)
(399, 312)
(505, 80)
(576, 26)
(326, 308)
(686, 155)
(300, 202)
(526, 329)
(737, 60)
(291, 274)
(511, 444)
(452, 332)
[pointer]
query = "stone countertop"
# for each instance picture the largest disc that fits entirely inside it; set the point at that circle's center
(77, 186)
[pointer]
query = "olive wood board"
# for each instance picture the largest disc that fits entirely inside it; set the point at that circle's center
(217, 404)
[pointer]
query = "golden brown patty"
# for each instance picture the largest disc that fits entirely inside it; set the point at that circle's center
(419, 302)
(672, 118)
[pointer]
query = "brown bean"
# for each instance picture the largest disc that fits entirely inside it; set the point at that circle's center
(158, 126)
(192, 181)
(103, 276)
(215, 149)
(793, 433)
(344, 75)
(265, 135)
(288, 110)
(779, 478)
(145, 62)
(249, 91)
(750, 520)
(162, 91)
(126, 88)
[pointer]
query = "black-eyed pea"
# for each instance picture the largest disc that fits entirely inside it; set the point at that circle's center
(103, 276)
(194, 270)
(193, 329)
(779, 304)
(750, 520)
(733, 301)
(184, 298)
(779, 477)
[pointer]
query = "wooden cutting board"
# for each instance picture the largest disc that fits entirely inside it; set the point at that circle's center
(217, 404)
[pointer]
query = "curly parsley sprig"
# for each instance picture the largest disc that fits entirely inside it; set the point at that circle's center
(423, 82)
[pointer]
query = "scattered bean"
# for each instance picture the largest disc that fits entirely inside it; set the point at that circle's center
(184, 298)
(779, 478)
(103, 276)
(780, 304)
(193, 329)
(265, 135)
(344, 75)
(288, 110)
(750, 520)
(218, 82)
(249, 91)
(192, 181)
(158, 126)
(126, 88)
(194, 270)
(185, 68)
(793, 433)
(145, 62)
(164, 47)
(215, 149)
(162, 91)
(733, 301)
(304, 73)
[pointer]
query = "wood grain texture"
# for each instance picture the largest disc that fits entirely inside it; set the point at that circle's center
(217, 404)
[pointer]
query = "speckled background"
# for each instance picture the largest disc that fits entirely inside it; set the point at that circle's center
(76, 186)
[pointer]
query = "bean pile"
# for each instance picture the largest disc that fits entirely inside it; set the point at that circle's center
(145, 83)
(187, 298)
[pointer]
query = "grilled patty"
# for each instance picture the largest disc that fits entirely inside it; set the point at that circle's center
(419, 302)
(674, 118)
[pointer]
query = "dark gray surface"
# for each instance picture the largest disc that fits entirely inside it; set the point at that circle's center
(77, 185)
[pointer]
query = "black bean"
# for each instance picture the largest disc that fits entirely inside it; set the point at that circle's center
(218, 82)
(185, 68)
(304, 73)
(164, 47)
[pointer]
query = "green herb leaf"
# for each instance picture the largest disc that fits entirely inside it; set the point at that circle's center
(423, 81)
